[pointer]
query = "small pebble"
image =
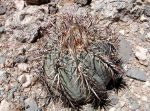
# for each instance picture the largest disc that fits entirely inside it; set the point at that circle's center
(143, 18)
(20, 59)
(148, 37)
(28, 81)
(23, 67)
(144, 98)
(141, 53)
(22, 79)
(122, 103)
(2, 29)
(147, 83)
(122, 32)
(20, 4)
(21, 51)
(9, 63)
(52, 8)
(112, 109)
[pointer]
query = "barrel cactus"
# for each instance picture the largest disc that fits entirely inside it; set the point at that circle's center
(81, 69)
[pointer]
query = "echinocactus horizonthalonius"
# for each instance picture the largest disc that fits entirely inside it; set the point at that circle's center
(81, 69)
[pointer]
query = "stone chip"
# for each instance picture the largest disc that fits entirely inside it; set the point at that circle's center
(137, 74)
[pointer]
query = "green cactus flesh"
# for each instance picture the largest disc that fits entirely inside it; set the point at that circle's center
(83, 76)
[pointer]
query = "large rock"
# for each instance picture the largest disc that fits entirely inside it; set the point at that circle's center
(28, 34)
(109, 7)
(26, 24)
(113, 8)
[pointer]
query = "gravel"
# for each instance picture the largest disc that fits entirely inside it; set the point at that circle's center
(20, 39)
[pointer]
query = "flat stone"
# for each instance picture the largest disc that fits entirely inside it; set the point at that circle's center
(2, 9)
(136, 73)
(31, 105)
(125, 50)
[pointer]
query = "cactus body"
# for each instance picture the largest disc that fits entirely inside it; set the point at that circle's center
(82, 71)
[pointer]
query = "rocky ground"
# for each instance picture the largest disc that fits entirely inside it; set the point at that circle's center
(26, 29)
